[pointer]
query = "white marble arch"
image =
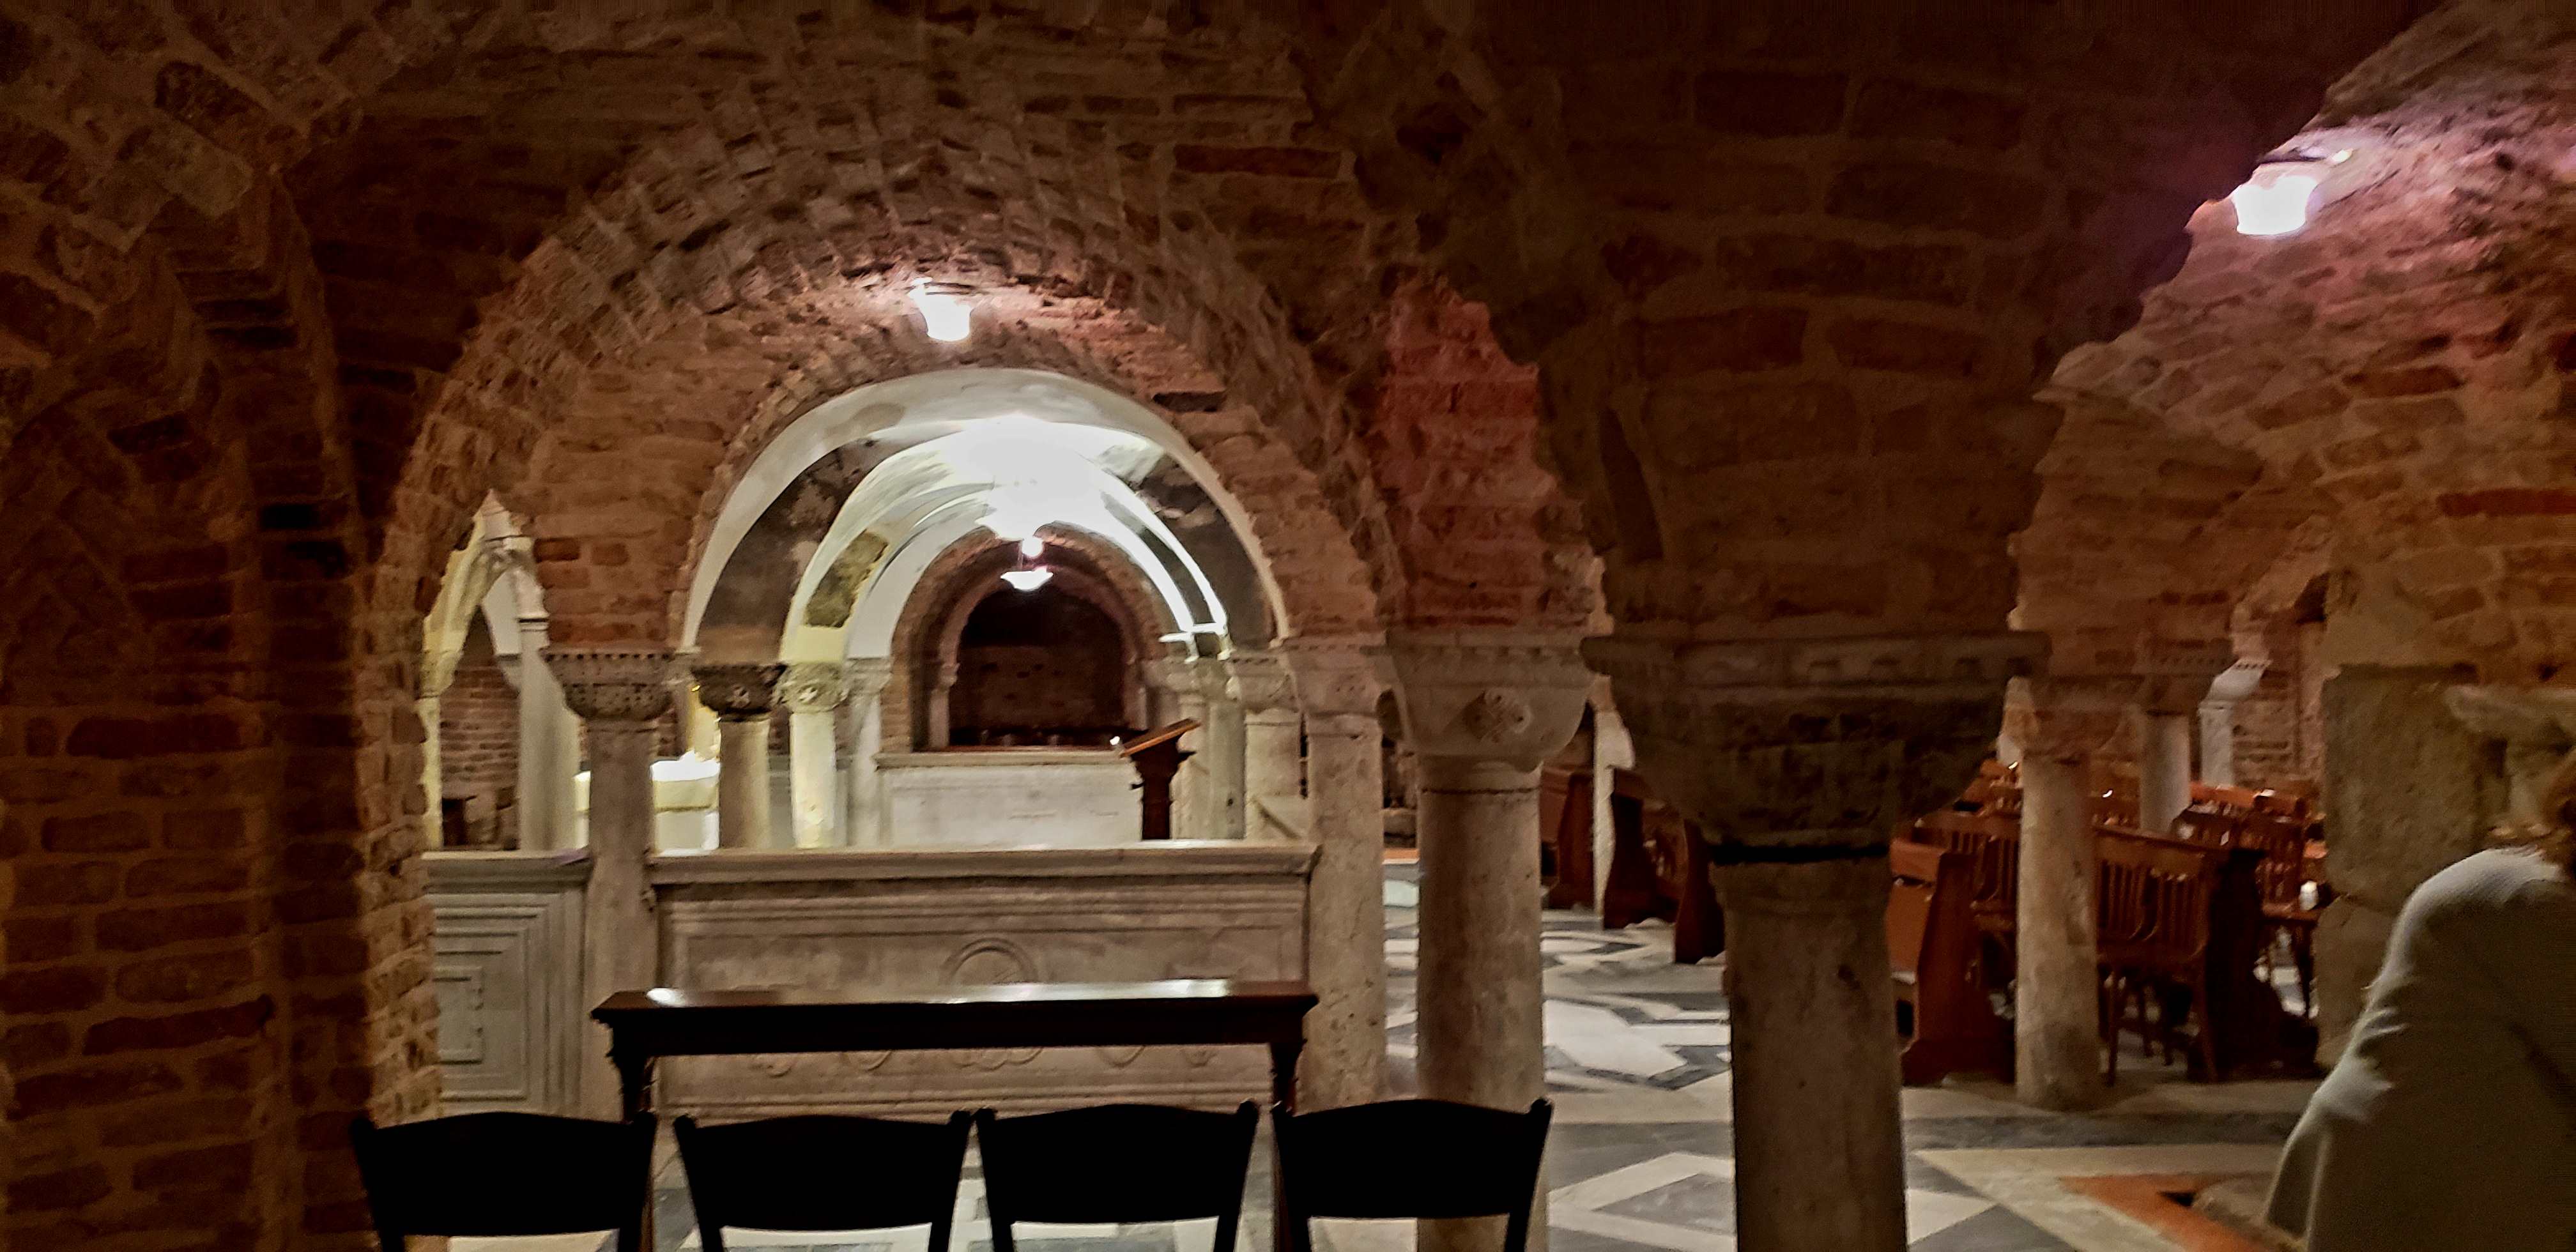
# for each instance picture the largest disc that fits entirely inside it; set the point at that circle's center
(948, 400)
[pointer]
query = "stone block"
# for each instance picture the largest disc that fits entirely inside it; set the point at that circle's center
(2352, 937)
(2408, 789)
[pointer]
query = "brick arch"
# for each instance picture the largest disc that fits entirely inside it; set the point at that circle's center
(851, 192)
(1799, 273)
(953, 583)
(2130, 546)
(2398, 363)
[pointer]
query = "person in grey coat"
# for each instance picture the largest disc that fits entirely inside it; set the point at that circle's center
(2450, 1122)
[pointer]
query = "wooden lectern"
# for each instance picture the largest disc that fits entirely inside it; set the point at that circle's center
(1157, 756)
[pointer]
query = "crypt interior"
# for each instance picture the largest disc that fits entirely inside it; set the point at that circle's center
(511, 501)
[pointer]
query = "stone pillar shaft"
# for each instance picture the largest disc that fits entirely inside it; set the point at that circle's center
(618, 694)
(742, 696)
(814, 692)
(1345, 1057)
(549, 746)
(2164, 769)
(1815, 1073)
(1262, 688)
(867, 677)
(1482, 710)
(2057, 1050)
(1479, 982)
(1797, 757)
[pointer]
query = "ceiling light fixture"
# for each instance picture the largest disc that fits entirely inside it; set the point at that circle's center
(945, 315)
(2272, 205)
(1028, 575)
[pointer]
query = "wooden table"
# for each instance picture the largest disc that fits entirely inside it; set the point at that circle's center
(645, 1026)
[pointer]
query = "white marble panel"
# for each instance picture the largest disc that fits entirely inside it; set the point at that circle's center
(507, 976)
(877, 920)
(1053, 797)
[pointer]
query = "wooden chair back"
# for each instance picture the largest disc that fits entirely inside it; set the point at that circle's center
(2216, 798)
(1121, 1163)
(2284, 845)
(1411, 1158)
(530, 1174)
(1992, 844)
(1938, 960)
(2152, 901)
(794, 1173)
(1916, 873)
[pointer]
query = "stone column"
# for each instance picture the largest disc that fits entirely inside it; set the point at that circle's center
(1224, 737)
(436, 673)
(1611, 752)
(549, 746)
(2061, 725)
(814, 692)
(1345, 1059)
(1183, 695)
(865, 788)
(1482, 711)
(2218, 720)
(2164, 767)
(1798, 757)
(1263, 689)
(618, 695)
(935, 722)
(742, 696)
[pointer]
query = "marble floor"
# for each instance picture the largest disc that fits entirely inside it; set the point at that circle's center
(1641, 1157)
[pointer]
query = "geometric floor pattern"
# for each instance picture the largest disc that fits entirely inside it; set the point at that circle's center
(1641, 1154)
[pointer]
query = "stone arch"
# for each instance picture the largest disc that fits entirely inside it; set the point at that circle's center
(852, 552)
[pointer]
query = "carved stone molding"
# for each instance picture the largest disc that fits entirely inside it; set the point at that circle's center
(613, 684)
(1336, 677)
(867, 675)
(1178, 675)
(1491, 696)
(2536, 725)
(740, 691)
(1260, 682)
(1826, 741)
(815, 686)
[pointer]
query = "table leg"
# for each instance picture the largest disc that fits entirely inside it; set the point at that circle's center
(1283, 1098)
(635, 1099)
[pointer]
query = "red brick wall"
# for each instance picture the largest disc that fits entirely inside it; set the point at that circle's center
(478, 743)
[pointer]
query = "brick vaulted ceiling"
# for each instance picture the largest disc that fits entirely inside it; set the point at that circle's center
(1715, 319)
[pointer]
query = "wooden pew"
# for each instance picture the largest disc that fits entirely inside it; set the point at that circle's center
(1565, 836)
(1992, 844)
(1937, 957)
(1659, 867)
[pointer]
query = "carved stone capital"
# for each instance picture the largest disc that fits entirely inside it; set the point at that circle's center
(740, 691)
(1260, 682)
(1176, 674)
(1825, 741)
(2235, 682)
(2068, 719)
(815, 686)
(1336, 677)
(1489, 696)
(631, 685)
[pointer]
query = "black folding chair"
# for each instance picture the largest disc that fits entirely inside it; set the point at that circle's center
(1121, 1163)
(504, 1174)
(797, 1173)
(1411, 1158)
